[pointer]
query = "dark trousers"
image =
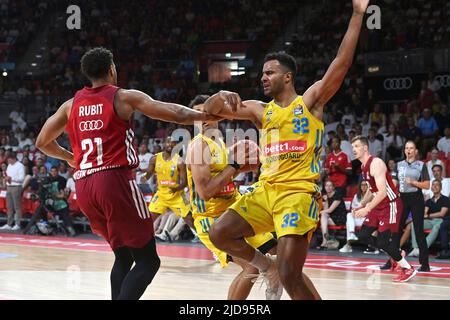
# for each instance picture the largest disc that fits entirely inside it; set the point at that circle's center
(414, 203)
(443, 234)
(41, 213)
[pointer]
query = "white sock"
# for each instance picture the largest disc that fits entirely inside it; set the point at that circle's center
(404, 264)
(260, 261)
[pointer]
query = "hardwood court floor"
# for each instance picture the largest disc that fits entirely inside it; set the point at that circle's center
(61, 268)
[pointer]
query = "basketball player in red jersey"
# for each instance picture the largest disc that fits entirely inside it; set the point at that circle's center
(383, 211)
(98, 121)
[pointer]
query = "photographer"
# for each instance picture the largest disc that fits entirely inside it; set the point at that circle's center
(52, 196)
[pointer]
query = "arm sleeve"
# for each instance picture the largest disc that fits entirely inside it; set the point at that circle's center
(424, 175)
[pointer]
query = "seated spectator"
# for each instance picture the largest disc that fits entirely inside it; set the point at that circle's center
(353, 222)
(394, 143)
(172, 228)
(436, 209)
(444, 142)
(435, 161)
(338, 167)
(375, 145)
(333, 214)
(377, 116)
(437, 175)
(429, 128)
(348, 119)
(63, 171)
(412, 132)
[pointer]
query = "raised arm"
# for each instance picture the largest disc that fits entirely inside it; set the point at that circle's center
(52, 129)
(323, 90)
(206, 185)
(135, 100)
(228, 105)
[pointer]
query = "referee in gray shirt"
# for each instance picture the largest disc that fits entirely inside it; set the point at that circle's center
(412, 176)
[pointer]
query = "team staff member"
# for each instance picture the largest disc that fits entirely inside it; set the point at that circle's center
(412, 176)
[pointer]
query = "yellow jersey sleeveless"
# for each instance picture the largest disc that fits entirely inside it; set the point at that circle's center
(167, 174)
(217, 205)
(291, 142)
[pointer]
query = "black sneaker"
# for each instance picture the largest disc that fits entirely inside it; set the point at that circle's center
(386, 266)
(424, 268)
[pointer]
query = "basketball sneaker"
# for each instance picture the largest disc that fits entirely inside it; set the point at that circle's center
(405, 275)
(274, 287)
(346, 249)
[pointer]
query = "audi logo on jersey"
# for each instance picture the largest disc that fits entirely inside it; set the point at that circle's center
(91, 125)
(398, 83)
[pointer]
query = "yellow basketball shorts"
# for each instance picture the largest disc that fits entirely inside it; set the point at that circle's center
(178, 204)
(274, 207)
(203, 224)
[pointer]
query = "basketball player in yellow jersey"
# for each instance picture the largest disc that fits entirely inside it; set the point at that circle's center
(284, 199)
(171, 178)
(212, 191)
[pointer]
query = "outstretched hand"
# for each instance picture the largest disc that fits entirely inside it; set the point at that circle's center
(231, 99)
(360, 6)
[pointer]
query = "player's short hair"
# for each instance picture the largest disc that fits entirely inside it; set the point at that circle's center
(286, 60)
(361, 139)
(96, 62)
(437, 166)
(199, 99)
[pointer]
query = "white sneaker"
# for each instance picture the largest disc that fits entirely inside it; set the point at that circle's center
(274, 289)
(15, 228)
(352, 237)
(5, 227)
(346, 249)
(161, 237)
(414, 253)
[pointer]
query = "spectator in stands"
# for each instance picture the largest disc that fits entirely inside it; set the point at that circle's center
(340, 132)
(144, 163)
(160, 132)
(377, 116)
(412, 132)
(15, 175)
(58, 204)
(70, 185)
(436, 174)
(353, 222)
(429, 128)
(2, 155)
(172, 229)
(444, 143)
(375, 145)
(365, 125)
(63, 171)
(436, 209)
(395, 116)
(3, 167)
(338, 167)
(17, 119)
(394, 143)
(348, 119)
(333, 214)
(442, 119)
(331, 124)
(435, 160)
(444, 238)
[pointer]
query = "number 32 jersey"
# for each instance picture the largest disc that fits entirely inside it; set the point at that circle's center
(291, 142)
(100, 140)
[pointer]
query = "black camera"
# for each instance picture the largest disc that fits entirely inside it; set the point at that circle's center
(41, 185)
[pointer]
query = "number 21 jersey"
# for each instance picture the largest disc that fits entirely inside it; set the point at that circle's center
(100, 140)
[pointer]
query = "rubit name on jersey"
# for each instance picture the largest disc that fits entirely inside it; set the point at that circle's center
(92, 110)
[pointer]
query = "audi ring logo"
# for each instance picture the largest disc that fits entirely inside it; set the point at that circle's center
(398, 83)
(91, 125)
(443, 80)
